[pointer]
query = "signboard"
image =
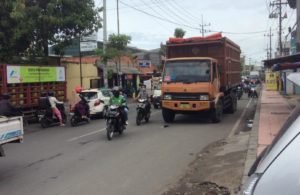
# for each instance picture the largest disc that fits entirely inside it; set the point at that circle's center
(145, 63)
(34, 74)
(88, 46)
(92, 37)
(271, 81)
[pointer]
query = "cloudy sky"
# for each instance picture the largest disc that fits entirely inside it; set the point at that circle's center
(150, 22)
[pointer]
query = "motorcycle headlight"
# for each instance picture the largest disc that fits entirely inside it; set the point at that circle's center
(167, 97)
(249, 186)
(204, 97)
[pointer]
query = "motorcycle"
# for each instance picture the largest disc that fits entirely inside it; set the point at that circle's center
(239, 92)
(114, 123)
(47, 118)
(80, 112)
(252, 93)
(142, 111)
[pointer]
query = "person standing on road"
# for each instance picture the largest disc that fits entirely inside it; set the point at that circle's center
(53, 101)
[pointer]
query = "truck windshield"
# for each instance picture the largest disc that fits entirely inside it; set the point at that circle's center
(187, 71)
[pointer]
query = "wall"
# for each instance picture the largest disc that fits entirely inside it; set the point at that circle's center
(89, 71)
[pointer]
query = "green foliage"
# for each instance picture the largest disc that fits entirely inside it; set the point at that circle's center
(116, 48)
(118, 42)
(179, 33)
(29, 26)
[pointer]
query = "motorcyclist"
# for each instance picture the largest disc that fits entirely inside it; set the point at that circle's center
(119, 100)
(7, 109)
(144, 95)
(82, 107)
(53, 101)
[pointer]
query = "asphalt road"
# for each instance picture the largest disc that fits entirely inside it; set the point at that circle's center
(80, 160)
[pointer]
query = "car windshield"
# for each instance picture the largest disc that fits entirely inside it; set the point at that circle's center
(105, 92)
(187, 71)
(90, 95)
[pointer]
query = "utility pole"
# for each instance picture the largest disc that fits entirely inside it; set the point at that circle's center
(267, 50)
(118, 20)
(202, 27)
(270, 44)
(119, 76)
(279, 4)
(104, 43)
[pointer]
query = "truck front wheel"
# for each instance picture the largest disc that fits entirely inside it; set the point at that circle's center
(168, 115)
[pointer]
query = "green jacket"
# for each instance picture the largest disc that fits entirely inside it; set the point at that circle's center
(120, 101)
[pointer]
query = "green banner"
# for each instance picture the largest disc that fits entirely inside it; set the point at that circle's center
(34, 74)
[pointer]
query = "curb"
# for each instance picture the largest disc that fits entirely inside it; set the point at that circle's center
(253, 141)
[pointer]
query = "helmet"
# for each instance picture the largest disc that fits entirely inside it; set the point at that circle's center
(50, 93)
(78, 89)
(116, 91)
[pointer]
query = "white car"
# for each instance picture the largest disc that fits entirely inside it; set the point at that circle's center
(98, 100)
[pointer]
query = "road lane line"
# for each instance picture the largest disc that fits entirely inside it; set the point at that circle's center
(97, 131)
(237, 123)
(85, 135)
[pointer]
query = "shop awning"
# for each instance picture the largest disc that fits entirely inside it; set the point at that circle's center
(294, 78)
(286, 66)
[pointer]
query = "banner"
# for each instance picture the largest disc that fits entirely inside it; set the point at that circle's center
(271, 81)
(34, 74)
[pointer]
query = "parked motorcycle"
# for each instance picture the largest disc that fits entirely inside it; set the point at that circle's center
(46, 116)
(143, 112)
(80, 112)
(114, 123)
(239, 92)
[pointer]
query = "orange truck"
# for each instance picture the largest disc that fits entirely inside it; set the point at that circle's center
(200, 74)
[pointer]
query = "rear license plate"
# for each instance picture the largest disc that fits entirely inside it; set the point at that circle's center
(184, 105)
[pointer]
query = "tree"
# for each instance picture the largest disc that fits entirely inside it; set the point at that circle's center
(14, 38)
(116, 48)
(179, 33)
(37, 24)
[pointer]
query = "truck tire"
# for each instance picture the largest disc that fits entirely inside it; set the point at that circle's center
(233, 106)
(168, 115)
(216, 113)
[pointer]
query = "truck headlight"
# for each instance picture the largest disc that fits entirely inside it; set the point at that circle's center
(167, 97)
(204, 97)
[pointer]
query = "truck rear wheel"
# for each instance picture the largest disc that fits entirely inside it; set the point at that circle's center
(217, 112)
(168, 115)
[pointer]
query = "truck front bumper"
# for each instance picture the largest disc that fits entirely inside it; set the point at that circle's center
(194, 106)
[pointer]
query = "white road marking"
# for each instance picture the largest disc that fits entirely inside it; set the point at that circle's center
(85, 135)
(237, 123)
(97, 131)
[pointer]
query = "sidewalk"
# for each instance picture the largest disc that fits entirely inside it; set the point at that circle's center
(271, 113)
(274, 111)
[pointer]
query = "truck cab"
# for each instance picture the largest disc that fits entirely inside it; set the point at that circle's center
(190, 84)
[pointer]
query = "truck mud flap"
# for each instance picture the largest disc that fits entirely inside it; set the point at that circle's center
(2, 154)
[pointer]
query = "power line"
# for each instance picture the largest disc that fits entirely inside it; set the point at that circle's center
(188, 26)
(158, 17)
(172, 12)
(184, 11)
